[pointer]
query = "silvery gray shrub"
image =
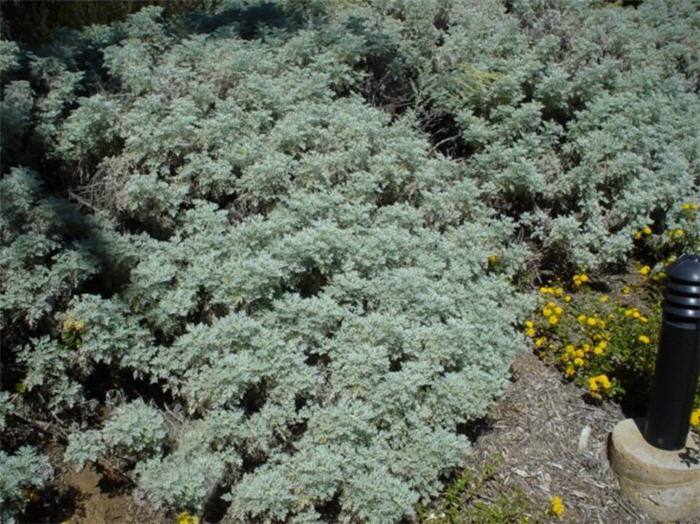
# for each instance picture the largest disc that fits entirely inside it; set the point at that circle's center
(281, 253)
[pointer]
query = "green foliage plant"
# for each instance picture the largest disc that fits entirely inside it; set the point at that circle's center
(606, 341)
(463, 500)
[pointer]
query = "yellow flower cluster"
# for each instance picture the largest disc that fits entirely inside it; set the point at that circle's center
(646, 230)
(547, 290)
(600, 347)
(595, 384)
(74, 325)
(186, 518)
(592, 321)
(529, 328)
(695, 417)
(556, 506)
(576, 357)
(552, 312)
(644, 339)
(689, 206)
(676, 233)
(634, 313)
(579, 280)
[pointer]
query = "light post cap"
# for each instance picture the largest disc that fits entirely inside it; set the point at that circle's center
(682, 294)
(686, 268)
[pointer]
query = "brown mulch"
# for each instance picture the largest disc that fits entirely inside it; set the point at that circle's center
(554, 443)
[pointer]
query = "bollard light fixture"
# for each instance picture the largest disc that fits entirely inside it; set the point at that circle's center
(678, 357)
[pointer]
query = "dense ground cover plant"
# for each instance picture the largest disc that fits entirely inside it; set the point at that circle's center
(312, 293)
(232, 258)
(573, 113)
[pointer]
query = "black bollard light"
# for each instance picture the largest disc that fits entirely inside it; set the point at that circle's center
(678, 356)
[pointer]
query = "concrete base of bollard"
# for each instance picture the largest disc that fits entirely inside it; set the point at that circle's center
(664, 484)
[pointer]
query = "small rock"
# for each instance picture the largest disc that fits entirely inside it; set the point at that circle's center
(583, 438)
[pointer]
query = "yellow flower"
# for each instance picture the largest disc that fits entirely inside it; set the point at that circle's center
(629, 312)
(584, 278)
(659, 276)
(603, 299)
(186, 518)
(598, 350)
(644, 339)
(680, 233)
(529, 324)
(540, 341)
(493, 259)
(553, 320)
(578, 361)
(546, 312)
(580, 353)
(30, 494)
(545, 290)
(530, 332)
(591, 321)
(593, 384)
(636, 314)
(72, 324)
(558, 291)
(646, 230)
(638, 235)
(569, 348)
(570, 371)
(556, 506)
(626, 290)
(644, 270)
(558, 310)
(567, 299)
(581, 318)
(695, 417)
